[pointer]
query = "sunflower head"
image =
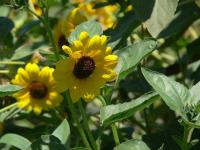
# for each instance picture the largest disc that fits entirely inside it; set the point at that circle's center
(39, 88)
(104, 15)
(65, 26)
(89, 66)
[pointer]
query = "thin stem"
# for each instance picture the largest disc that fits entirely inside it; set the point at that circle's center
(187, 137)
(12, 63)
(45, 22)
(85, 123)
(146, 121)
(75, 118)
(8, 107)
(4, 71)
(113, 126)
(115, 134)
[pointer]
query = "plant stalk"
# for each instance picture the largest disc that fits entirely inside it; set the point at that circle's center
(187, 137)
(86, 126)
(75, 118)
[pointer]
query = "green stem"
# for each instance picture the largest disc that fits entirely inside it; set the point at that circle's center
(115, 134)
(85, 123)
(8, 107)
(146, 121)
(45, 22)
(75, 118)
(113, 126)
(12, 63)
(187, 137)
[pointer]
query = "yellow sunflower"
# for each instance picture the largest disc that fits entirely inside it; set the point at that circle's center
(65, 26)
(89, 66)
(35, 7)
(104, 14)
(39, 88)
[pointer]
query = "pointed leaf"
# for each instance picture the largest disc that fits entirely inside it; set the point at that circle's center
(130, 56)
(15, 140)
(113, 113)
(157, 15)
(195, 93)
(173, 93)
(9, 89)
(62, 132)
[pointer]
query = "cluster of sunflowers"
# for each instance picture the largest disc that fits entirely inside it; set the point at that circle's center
(87, 68)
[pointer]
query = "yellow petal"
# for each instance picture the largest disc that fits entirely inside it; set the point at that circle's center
(37, 109)
(67, 49)
(84, 37)
(33, 70)
(94, 43)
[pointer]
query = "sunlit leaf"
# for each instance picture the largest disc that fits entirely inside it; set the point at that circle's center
(62, 132)
(130, 56)
(15, 140)
(173, 93)
(9, 89)
(113, 113)
(157, 14)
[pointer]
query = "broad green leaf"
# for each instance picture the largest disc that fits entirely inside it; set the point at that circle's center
(173, 93)
(181, 20)
(157, 15)
(195, 93)
(6, 25)
(130, 56)
(62, 132)
(113, 113)
(15, 140)
(132, 145)
(92, 27)
(9, 89)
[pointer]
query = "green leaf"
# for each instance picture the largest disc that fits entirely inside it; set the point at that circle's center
(173, 93)
(131, 55)
(6, 25)
(92, 27)
(132, 145)
(113, 113)
(62, 132)
(15, 140)
(9, 89)
(157, 15)
(195, 93)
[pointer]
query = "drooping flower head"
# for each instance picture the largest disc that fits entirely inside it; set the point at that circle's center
(35, 7)
(105, 15)
(65, 26)
(39, 91)
(89, 66)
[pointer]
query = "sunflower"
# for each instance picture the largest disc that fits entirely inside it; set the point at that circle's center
(65, 26)
(104, 14)
(89, 66)
(39, 88)
(35, 7)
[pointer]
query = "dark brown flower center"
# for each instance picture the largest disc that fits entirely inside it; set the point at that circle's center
(62, 41)
(84, 67)
(38, 90)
